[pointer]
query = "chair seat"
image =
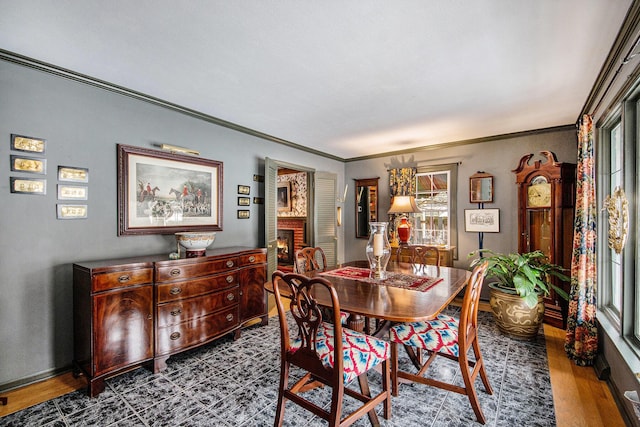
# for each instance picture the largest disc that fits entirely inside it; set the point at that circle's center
(361, 352)
(438, 335)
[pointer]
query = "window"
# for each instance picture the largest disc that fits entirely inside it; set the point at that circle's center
(436, 224)
(619, 293)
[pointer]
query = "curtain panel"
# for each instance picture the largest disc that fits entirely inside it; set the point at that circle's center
(581, 341)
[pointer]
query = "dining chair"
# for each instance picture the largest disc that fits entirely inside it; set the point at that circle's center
(448, 337)
(309, 259)
(330, 354)
(314, 259)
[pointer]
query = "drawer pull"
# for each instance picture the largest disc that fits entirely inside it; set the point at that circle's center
(124, 278)
(175, 291)
(229, 279)
(229, 317)
(230, 296)
(176, 312)
(229, 264)
(175, 272)
(252, 259)
(174, 336)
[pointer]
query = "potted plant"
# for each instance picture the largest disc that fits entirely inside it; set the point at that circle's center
(520, 282)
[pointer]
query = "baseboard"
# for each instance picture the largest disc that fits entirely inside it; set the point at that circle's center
(34, 379)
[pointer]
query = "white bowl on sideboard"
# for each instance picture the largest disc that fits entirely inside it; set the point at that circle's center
(195, 242)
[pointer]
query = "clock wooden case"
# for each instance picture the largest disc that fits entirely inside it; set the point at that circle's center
(546, 201)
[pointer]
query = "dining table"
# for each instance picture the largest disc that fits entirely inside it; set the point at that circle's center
(408, 293)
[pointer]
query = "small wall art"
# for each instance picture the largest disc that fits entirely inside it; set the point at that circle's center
(28, 164)
(71, 211)
(244, 189)
(243, 214)
(28, 143)
(73, 192)
(244, 201)
(34, 186)
(482, 220)
(72, 174)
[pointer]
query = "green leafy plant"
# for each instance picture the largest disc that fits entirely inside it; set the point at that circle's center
(527, 274)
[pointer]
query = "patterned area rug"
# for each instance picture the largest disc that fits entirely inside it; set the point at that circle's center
(398, 280)
(235, 383)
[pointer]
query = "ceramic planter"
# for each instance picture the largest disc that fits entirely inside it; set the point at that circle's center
(513, 316)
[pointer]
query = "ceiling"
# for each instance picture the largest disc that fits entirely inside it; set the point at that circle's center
(345, 77)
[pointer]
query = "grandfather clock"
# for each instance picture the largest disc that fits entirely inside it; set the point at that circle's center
(546, 201)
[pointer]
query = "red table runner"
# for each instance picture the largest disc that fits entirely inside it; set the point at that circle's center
(399, 280)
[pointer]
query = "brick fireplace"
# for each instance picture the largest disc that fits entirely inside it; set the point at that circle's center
(292, 232)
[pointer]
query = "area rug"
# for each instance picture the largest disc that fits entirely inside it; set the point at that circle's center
(234, 383)
(398, 280)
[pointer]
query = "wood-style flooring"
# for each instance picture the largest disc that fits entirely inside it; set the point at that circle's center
(580, 399)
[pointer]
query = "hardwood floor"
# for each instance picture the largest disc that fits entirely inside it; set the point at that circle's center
(580, 399)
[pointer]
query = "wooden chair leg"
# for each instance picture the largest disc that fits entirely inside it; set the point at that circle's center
(470, 390)
(386, 385)
(483, 372)
(284, 382)
(394, 369)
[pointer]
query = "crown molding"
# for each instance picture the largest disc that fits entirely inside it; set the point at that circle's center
(101, 84)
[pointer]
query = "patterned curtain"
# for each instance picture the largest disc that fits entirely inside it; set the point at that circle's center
(581, 341)
(402, 182)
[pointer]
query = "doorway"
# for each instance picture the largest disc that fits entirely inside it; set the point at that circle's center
(314, 217)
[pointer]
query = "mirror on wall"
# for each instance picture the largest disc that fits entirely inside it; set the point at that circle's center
(481, 188)
(366, 205)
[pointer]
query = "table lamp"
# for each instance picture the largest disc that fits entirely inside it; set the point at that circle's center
(404, 205)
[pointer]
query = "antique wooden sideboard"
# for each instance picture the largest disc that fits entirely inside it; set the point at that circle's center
(139, 311)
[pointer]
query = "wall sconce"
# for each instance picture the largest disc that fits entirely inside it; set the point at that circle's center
(339, 216)
(176, 149)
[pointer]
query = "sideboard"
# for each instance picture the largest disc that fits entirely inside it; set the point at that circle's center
(139, 311)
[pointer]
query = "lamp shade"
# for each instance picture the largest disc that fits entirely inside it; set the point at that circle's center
(404, 204)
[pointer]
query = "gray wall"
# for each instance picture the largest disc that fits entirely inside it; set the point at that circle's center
(82, 125)
(498, 157)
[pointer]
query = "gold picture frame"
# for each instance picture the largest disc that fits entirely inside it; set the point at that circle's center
(73, 174)
(243, 214)
(28, 143)
(36, 186)
(244, 201)
(64, 211)
(28, 164)
(73, 192)
(244, 189)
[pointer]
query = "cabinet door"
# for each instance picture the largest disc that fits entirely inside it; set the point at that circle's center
(253, 295)
(123, 328)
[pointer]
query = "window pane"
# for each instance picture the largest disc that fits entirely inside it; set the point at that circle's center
(616, 180)
(432, 197)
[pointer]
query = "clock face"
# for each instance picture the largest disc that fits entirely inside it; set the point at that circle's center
(539, 193)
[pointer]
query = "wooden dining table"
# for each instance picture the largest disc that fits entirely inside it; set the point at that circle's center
(371, 299)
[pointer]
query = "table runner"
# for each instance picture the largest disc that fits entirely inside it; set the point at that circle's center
(398, 280)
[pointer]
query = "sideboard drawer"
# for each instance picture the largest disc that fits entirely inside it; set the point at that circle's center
(120, 279)
(187, 334)
(191, 288)
(178, 311)
(255, 258)
(165, 273)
